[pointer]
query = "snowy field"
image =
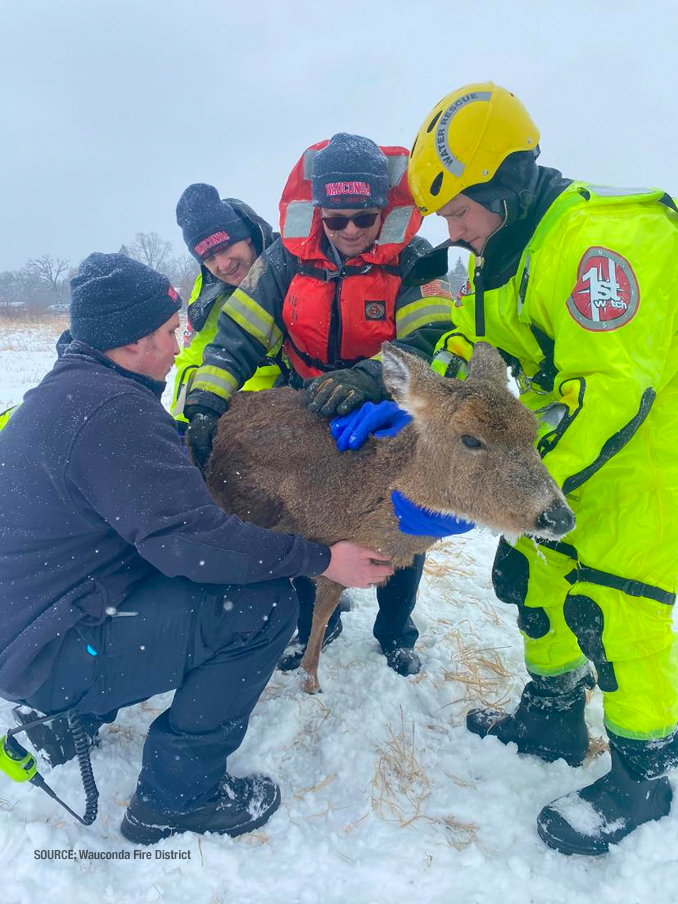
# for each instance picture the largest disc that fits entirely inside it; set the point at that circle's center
(386, 796)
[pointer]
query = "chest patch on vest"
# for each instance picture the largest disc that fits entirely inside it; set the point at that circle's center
(436, 287)
(375, 310)
(606, 294)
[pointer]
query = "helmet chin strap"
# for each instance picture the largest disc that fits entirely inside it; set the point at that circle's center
(512, 188)
(519, 203)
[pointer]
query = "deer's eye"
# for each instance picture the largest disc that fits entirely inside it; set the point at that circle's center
(471, 442)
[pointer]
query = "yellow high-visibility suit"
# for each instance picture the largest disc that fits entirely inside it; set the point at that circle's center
(6, 415)
(589, 323)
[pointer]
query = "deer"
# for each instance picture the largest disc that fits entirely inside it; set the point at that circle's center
(469, 450)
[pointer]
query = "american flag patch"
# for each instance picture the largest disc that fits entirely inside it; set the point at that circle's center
(436, 287)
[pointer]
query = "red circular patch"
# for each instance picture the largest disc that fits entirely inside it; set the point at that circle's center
(606, 294)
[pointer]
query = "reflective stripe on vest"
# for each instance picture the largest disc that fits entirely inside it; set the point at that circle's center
(298, 219)
(397, 167)
(309, 157)
(394, 227)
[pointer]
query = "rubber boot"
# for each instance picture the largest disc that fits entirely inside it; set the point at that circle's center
(589, 821)
(548, 723)
(403, 661)
(240, 805)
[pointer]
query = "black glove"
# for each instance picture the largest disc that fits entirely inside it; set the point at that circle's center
(200, 433)
(340, 391)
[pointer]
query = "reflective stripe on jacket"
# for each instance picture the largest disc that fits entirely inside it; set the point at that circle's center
(190, 357)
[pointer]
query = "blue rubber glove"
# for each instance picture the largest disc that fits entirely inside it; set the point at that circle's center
(422, 522)
(383, 419)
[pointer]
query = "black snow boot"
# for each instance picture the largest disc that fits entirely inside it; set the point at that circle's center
(294, 653)
(240, 805)
(403, 661)
(53, 740)
(548, 723)
(589, 821)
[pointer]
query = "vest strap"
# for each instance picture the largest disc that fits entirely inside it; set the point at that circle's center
(324, 366)
(326, 276)
(631, 588)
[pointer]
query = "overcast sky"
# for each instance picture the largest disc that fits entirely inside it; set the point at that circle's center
(110, 108)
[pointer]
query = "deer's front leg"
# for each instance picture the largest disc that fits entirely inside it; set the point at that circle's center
(326, 601)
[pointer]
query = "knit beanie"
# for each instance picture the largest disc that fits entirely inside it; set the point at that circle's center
(208, 223)
(116, 300)
(350, 172)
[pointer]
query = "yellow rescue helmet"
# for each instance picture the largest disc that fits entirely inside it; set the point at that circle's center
(464, 140)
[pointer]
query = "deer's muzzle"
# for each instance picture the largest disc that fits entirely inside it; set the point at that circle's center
(556, 521)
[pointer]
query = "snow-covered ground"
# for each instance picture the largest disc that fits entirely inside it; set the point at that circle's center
(386, 796)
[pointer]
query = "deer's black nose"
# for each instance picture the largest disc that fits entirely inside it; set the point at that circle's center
(557, 520)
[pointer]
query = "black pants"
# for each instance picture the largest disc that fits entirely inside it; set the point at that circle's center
(397, 598)
(216, 645)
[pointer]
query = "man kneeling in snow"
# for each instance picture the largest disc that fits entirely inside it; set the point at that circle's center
(120, 578)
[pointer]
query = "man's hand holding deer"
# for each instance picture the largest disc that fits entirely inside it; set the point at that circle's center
(341, 391)
(356, 566)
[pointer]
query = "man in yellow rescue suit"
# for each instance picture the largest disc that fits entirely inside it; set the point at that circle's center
(576, 285)
(225, 237)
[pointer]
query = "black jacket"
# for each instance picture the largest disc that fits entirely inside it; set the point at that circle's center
(96, 494)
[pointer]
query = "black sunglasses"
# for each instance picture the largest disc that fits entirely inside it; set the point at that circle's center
(362, 221)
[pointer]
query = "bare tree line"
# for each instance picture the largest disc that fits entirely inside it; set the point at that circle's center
(43, 283)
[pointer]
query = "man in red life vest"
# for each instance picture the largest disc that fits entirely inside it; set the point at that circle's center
(338, 283)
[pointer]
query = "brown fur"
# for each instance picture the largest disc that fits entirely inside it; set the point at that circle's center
(274, 463)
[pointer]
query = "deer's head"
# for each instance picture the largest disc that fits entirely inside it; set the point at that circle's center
(475, 452)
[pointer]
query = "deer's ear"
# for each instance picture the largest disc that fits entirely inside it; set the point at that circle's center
(406, 377)
(488, 365)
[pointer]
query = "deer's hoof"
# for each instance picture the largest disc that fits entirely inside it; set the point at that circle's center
(310, 683)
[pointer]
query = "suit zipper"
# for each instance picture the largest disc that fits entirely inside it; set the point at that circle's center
(479, 296)
(478, 287)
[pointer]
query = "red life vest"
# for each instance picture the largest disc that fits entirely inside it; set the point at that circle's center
(335, 318)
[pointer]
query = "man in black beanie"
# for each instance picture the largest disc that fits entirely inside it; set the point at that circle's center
(225, 237)
(335, 286)
(120, 578)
